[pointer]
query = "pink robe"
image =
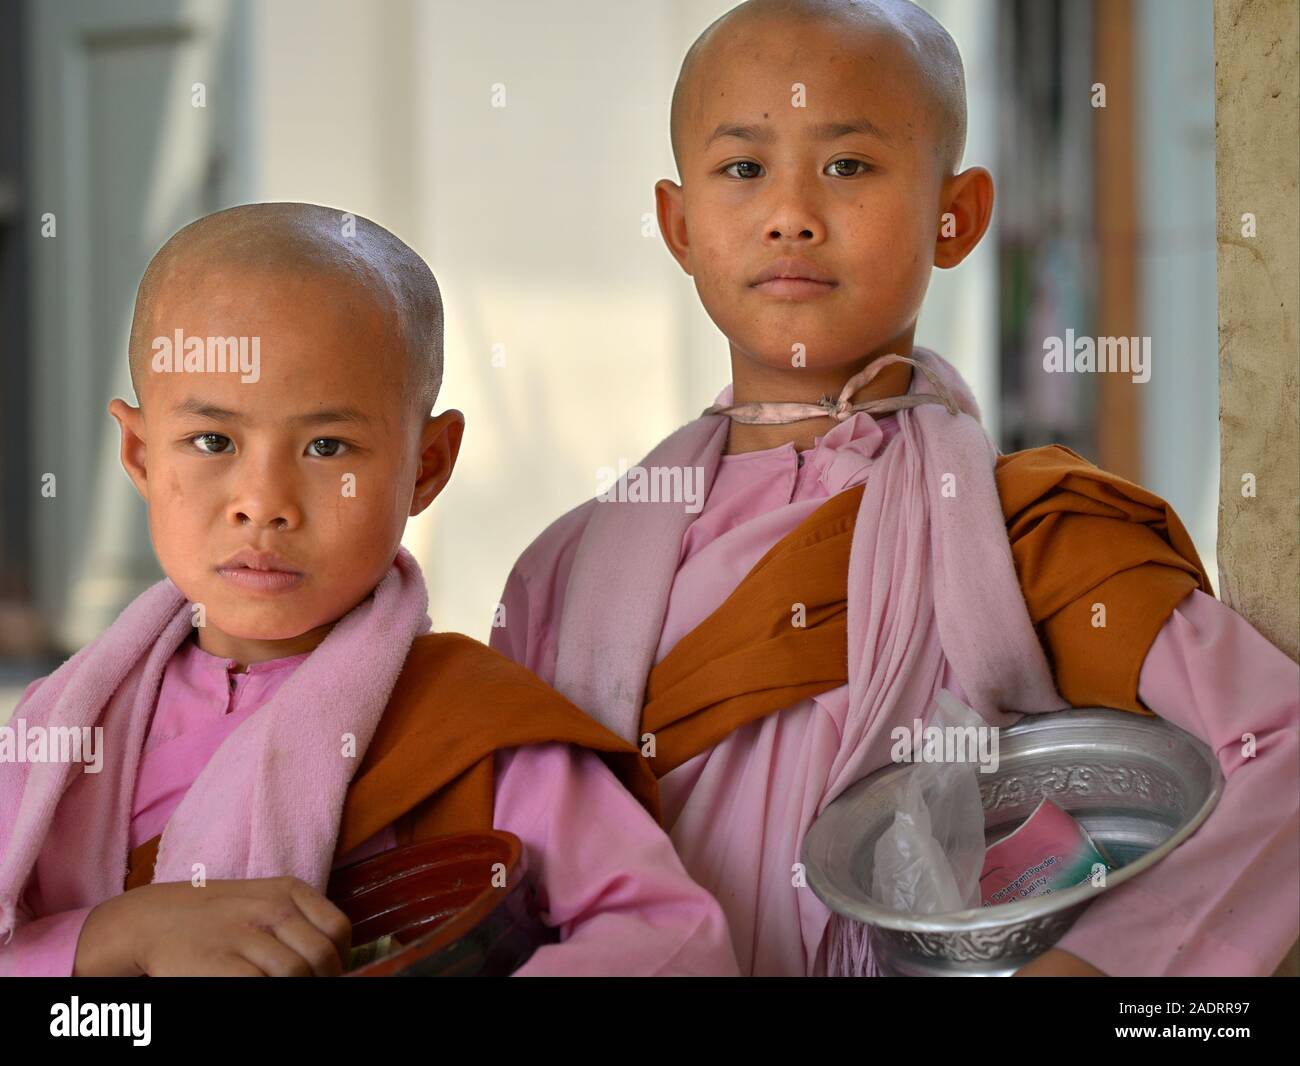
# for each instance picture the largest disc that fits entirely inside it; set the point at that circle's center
(611, 884)
(738, 812)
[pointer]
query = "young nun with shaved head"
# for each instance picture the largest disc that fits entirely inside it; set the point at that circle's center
(277, 707)
(863, 545)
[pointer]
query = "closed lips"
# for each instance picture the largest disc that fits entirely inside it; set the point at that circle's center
(251, 559)
(260, 573)
(793, 270)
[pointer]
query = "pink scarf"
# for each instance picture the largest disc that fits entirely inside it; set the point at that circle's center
(268, 802)
(930, 512)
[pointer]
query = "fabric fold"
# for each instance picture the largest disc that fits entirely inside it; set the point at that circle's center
(930, 498)
(288, 767)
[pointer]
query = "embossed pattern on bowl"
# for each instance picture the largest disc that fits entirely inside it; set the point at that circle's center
(1137, 784)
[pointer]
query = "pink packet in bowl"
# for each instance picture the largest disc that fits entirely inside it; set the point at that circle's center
(1047, 852)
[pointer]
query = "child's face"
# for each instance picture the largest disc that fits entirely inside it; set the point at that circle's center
(314, 467)
(859, 211)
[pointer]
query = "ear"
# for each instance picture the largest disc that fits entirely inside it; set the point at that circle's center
(134, 456)
(439, 447)
(967, 208)
(670, 207)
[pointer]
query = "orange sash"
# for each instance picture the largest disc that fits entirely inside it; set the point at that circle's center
(1079, 537)
(747, 659)
(1090, 547)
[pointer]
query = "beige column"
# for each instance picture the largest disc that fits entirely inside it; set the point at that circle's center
(1257, 169)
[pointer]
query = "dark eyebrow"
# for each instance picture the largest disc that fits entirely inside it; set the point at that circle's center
(207, 410)
(744, 133)
(832, 131)
(336, 414)
(826, 131)
(221, 414)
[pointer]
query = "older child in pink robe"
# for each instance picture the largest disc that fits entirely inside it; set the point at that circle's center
(818, 146)
(738, 812)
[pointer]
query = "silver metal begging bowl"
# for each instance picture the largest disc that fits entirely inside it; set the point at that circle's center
(1138, 785)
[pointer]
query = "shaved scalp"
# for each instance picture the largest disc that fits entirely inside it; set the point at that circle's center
(303, 239)
(932, 52)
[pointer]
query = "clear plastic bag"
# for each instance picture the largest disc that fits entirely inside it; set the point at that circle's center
(929, 860)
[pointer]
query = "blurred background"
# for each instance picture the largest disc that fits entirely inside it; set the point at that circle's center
(573, 340)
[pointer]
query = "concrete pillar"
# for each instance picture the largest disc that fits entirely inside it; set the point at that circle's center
(1257, 169)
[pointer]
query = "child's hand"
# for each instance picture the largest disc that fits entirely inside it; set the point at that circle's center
(1056, 962)
(275, 927)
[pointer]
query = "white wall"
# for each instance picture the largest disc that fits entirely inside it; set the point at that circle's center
(959, 319)
(1180, 403)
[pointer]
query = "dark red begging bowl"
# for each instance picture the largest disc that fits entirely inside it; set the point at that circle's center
(460, 905)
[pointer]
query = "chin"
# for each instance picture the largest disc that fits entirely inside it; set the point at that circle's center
(242, 627)
(272, 619)
(819, 353)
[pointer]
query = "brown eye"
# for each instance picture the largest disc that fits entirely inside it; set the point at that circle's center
(753, 173)
(836, 168)
(210, 443)
(325, 447)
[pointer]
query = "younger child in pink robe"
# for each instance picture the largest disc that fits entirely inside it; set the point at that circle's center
(818, 146)
(237, 698)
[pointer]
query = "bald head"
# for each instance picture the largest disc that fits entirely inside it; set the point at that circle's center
(927, 48)
(300, 240)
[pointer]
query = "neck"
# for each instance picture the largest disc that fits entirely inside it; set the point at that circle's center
(246, 651)
(753, 381)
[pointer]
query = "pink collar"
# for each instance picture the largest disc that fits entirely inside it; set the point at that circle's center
(205, 660)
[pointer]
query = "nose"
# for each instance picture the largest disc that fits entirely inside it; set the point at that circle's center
(265, 498)
(793, 214)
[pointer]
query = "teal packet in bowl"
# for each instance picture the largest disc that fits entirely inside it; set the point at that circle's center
(1049, 851)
